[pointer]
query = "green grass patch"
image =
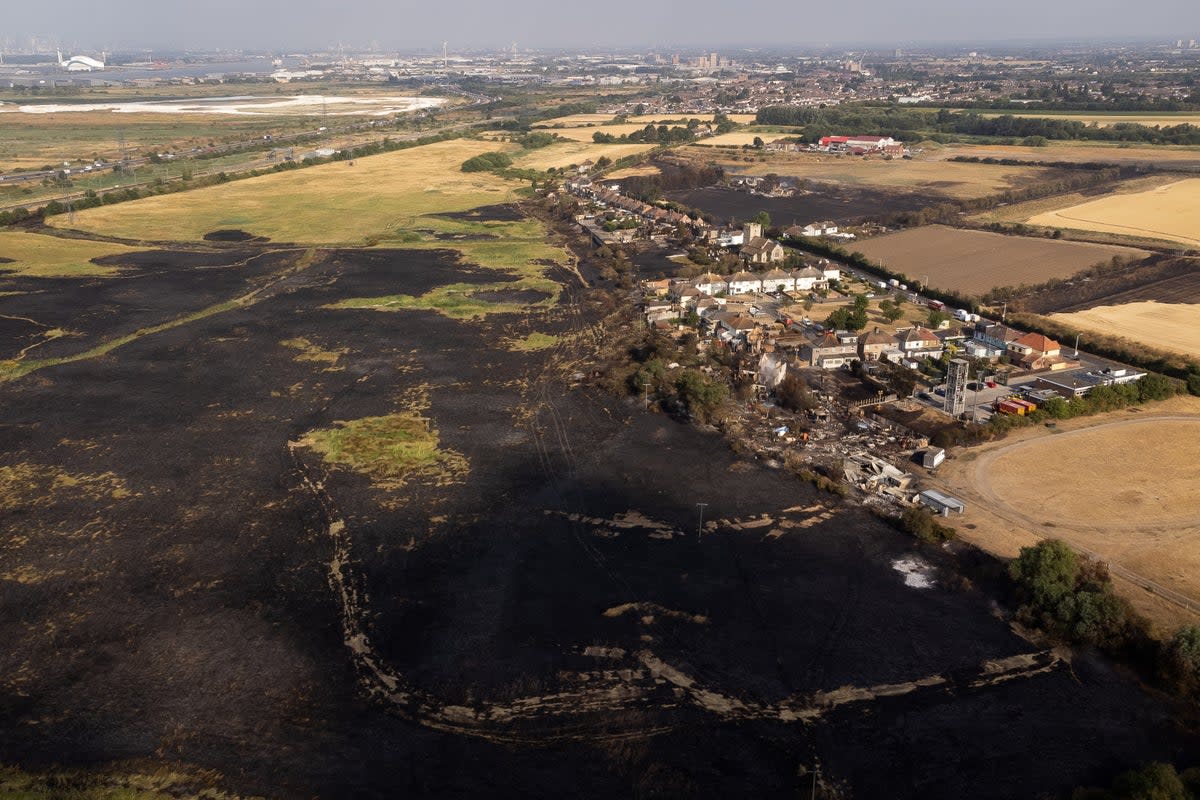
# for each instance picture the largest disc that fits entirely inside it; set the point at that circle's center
(110, 784)
(458, 300)
(533, 342)
(391, 450)
(307, 351)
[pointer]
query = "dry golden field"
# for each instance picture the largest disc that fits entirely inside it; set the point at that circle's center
(976, 261)
(1105, 120)
(953, 179)
(586, 134)
(1163, 326)
(575, 120)
(328, 204)
(1166, 155)
(1165, 212)
(640, 171)
(563, 154)
(737, 138)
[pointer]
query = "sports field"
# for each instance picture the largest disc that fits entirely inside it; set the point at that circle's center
(332, 203)
(976, 261)
(1165, 212)
(1163, 326)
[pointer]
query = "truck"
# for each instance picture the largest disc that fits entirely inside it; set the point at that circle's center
(936, 305)
(962, 315)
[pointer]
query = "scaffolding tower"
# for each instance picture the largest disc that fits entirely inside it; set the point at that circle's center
(956, 387)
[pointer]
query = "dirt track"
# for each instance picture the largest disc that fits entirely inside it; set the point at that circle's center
(1088, 485)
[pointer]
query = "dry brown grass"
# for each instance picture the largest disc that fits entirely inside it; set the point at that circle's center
(973, 262)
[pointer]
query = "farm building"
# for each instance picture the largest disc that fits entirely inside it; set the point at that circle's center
(864, 143)
(933, 457)
(940, 503)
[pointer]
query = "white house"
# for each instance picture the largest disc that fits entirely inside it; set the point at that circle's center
(710, 283)
(745, 283)
(778, 280)
(808, 278)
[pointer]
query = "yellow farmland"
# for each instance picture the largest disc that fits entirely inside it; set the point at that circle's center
(1165, 326)
(329, 204)
(1165, 212)
(738, 138)
(1106, 120)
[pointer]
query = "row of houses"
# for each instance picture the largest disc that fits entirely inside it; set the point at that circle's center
(805, 279)
(611, 197)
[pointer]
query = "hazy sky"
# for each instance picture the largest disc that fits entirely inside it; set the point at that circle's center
(394, 24)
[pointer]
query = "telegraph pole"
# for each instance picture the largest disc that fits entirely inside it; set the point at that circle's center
(700, 533)
(646, 394)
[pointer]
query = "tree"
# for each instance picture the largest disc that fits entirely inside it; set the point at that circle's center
(1183, 658)
(758, 142)
(701, 395)
(1151, 782)
(1045, 572)
(1155, 387)
(891, 311)
(936, 318)
(763, 219)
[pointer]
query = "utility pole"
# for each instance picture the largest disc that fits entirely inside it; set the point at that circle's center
(646, 395)
(1076, 354)
(700, 534)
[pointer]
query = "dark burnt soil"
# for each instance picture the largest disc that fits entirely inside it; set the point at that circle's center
(844, 204)
(653, 263)
(1160, 278)
(496, 213)
(4, 260)
(233, 236)
(193, 619)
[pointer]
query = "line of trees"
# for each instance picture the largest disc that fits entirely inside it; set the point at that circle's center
(943, 125)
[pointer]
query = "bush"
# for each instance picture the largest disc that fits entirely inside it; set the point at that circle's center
(485, 162)
(923, 525)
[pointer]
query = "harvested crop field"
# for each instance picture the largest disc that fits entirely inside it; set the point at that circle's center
(1101, 120)
(1167, 156)
(953, 179)
(586, 134)
(1165, 212)
(1123, 489)
(737, 138)
(564, 154)
(1159, 325)
(973, 262)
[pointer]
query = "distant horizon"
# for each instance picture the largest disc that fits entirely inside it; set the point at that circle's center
(384, 26)
(48, 43)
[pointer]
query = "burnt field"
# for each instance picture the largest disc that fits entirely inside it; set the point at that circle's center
(842, 204)
(183, 578)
